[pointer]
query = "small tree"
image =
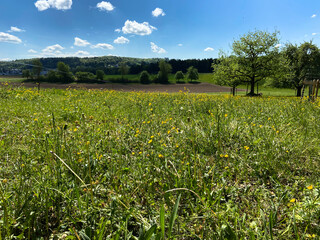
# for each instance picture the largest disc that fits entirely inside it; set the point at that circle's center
(64, 73)
(100, 74)
(85, 77)
(165, 69)
(123, 69)
(26, 73)
(192, 74)
(52, 76)
(37, 68)
(179, 77)
(144, 77)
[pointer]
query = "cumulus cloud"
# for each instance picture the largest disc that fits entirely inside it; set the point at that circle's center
(15, 29)
(82, 54)
(133, 27)
(80, 42)
(157, 49)
(103, 46)
(209, 49)
(158, 12)
(6, 37)
(314, 15)
(180, 45)
(52, 50)
(105, 6)
(313, 34)
(117, 30)
(32, 51)
(43, 5)
(121, 40)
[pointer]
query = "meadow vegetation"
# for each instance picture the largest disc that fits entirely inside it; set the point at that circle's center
(92, 164)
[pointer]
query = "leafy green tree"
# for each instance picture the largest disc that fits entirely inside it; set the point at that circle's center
(37, 68)
(26, 73)
(304, 63)
(226, 72)
(255, 57)
(163, 74)
(85, 77)
(52, 76)
(64, 73)
(144, 77)
(179, 76)
(192, 74)
(100, 74)
(123, 69)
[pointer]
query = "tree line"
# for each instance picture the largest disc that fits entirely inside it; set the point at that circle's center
(257, 57)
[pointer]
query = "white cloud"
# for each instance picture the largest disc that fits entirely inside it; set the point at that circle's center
(105, 6)
(133, 27)
(32, 51)
(121, 40)
(314, 15)
(158, 12)
(180, 45)
(57, 4)
(80, 42)
(6, 37)
(156, 49)
(209, 49)
(117, 30)
(103, 46)
(313, 34)
(54, 49)
(82, 54)
(5, 59)
(15, 29)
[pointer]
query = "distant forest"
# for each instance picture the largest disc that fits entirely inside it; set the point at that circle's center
(110, 64)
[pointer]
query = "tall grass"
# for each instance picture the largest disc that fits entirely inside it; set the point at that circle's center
(91, 164)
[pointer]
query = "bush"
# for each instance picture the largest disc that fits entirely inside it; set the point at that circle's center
(145, 77)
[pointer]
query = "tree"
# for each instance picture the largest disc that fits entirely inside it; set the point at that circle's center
(192, 74)
(226, 72)
(179, 77)
(26, 73)
(37, 68)
(144, 77)
(304, 63)
(52, 76)
(255, 57)
(163, 74)
(100, 74)
(85, 77)
(64, 73)
(123, 69)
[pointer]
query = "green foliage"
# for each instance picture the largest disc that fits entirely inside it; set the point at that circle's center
(248, 166)
(52, 76)
(254, 58)
(85, 77)
(144, 77)
(26, 73)
(165, 69)
(123, 69)
(179, 77)
(100, 74)
(192, 74)
(37, 68)
(63, 73)
(303, 63)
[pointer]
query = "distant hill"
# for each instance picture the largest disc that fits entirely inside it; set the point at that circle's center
(109, 64)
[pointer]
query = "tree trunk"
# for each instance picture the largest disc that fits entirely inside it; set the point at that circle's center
(233, 90)
(252, 83)
(299, 88)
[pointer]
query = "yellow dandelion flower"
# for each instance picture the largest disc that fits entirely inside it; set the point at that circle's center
(310, 187)
(226, 115)
(169, 132)
(160, 156)
(292, 200)
(226, 156)
(221, 155)
(150, 141)
(36, 119)
(76, 129)
(152, 137)
(246, 147)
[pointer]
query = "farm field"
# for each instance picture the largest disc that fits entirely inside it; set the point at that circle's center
(93, 164)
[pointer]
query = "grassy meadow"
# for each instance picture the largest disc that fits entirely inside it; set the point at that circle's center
(92, 164)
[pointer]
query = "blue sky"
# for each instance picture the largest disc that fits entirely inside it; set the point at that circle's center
(147, 28)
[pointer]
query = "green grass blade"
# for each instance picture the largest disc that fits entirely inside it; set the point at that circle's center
(162, 225)
(174, 215)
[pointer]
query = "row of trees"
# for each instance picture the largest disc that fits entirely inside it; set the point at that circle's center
(257, 57)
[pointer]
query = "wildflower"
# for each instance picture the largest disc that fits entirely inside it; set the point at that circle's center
(226, 115)
(4, 180)
(76, 129)
(246, 147)
(169, 132)
(150, 104)
(152, 137)
(310, 187)
(292, 200)
(226, 156)
(150, 141)
(36, 119)
(160, 156)
(221, 155)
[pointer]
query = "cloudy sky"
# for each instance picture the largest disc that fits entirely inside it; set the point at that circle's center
(147, 28)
